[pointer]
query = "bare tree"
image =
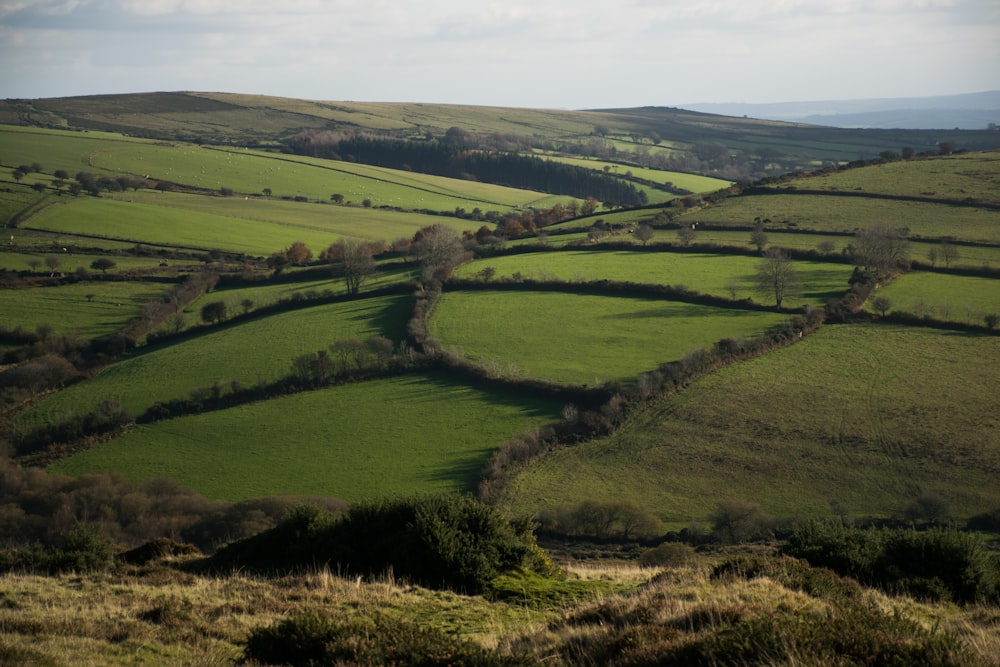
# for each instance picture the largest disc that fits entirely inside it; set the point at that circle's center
(758, 237)
(355, 260)
(949, 254)
(882, 248)
(777, 276)
(440, 250)
(644, 233)
(881, 304)
(686, 235)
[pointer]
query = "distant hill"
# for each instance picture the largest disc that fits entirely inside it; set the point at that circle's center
(972, 111)
(731, 147)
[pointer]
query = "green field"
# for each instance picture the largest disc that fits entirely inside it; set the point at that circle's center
(945, 297)
(848, 214)
(250, 172)
(956, 177)
(581, 339)
(412, 434)
(704, 273)
(68, 310)
(258, 350)
(865, 417)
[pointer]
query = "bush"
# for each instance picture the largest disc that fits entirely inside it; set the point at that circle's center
(81, 549)
(443, 541)
(668, 554)
(933, 564)
(318, 640)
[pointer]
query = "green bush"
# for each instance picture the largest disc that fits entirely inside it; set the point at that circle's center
(442, 541)
(81, 549)
(318, 640)
(933, 564)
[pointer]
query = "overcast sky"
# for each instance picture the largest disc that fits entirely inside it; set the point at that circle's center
(528, 53)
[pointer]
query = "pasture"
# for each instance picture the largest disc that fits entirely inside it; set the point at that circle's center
(85, 309)
(258, 350)
(411, 434)
(848, 214)
(956, 177)
(859, 419)
(581, 339)
(954, 298)
(251, 172)
(715, 274)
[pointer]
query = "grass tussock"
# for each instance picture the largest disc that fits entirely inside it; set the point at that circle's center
(746, 610)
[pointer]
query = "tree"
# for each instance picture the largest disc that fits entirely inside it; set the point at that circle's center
(440, 250)
(777, 276)
(214, 311)
(686, 235)
(949, 254)
(267, 192)
(53, 262)
(882, 248)
(34, 263)
(18, 175)
(102, 264)
(758, 237)
(337, 198)
(298, 253)
(355, 260)
(881, 304)
(644, 233)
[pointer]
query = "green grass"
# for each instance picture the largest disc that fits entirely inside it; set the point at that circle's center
(250, 172)
(259, 350)
(692, 182)
(412, 434)
(19, 261)
(705, 273)
(581, 339)
(254, 227)
(848, 214)
(958, 177)
(67, 309)
(864, 416)
(945, 297)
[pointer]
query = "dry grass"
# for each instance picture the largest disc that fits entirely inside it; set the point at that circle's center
(161, 616)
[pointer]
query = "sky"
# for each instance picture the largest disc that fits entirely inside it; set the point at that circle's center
(554, 54)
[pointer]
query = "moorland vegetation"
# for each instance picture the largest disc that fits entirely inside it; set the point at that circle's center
(314, 393)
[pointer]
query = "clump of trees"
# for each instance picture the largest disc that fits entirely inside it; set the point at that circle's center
(882, 249)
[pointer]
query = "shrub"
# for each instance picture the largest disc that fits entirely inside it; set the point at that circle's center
(932, 564)
(442, 541)
(318, 640)
(668, 554)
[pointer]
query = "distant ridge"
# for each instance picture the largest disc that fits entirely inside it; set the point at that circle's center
(971, 111)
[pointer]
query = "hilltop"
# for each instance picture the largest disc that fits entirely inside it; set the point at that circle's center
(652, 135)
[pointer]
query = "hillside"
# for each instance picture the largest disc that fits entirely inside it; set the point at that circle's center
(637, 136)
(201, 339)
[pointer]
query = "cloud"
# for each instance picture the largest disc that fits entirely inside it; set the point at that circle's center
(560, 53)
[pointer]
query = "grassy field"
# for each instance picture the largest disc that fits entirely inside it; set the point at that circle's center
(860, 419)
(581, 339)
(957, 177)
(250, 172)
(399, 436)
(87, 309)
(848, 214)
(945, 297)
(706, 273)
(692, 182)
(260, 349)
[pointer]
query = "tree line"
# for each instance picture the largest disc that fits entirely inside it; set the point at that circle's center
(451, 156)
